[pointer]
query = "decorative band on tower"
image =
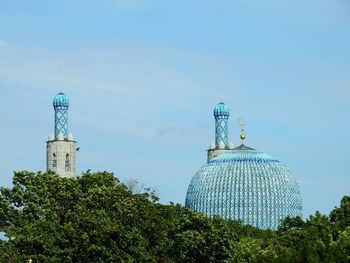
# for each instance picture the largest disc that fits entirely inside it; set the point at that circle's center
(221, 114)
(61, 104)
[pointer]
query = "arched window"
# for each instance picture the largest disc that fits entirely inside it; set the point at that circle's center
(67, 164)
(54, 162)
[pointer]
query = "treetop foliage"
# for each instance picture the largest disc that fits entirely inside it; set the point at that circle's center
(96, 218)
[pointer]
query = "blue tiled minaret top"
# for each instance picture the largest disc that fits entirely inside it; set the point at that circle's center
(221, 114)
(60, 105)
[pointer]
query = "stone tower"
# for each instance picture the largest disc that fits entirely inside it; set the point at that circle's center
(61, 147)
(221, 145)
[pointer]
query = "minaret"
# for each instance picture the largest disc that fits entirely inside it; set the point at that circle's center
(61, 148)
(221, 145)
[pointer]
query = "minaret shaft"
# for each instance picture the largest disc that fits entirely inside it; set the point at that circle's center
(61, 121)
(221, 115)
(221, 131)
(61, 148)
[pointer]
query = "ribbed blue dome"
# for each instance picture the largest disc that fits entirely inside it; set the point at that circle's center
(245, 185)
(221, 110)
(60, 100)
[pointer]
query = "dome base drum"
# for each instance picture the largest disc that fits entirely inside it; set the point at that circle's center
(245, 185)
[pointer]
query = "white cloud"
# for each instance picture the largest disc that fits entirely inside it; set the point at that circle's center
(3, 43)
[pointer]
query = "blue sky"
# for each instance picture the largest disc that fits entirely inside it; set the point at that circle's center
(144, 76)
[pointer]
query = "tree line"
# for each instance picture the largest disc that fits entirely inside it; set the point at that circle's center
(96, 218)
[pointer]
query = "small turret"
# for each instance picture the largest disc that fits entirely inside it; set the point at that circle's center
(231, 146)
(212, 146)
(51, 137)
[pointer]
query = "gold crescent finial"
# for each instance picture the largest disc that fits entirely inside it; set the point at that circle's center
(242, 125)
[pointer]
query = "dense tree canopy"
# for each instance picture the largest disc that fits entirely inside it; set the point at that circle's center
(96, 218)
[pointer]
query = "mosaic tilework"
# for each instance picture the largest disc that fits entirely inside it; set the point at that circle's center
(61, 122)
(221, 132)
(221, 114)
(61, 104)
(246, 185)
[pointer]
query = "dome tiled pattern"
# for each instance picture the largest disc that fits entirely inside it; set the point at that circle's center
(245, 185)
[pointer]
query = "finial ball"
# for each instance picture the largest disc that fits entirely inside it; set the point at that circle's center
(242, 136)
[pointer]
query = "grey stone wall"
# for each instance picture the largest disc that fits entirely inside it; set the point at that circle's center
(61, 157)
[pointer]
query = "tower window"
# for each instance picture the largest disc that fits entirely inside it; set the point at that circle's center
(54, 162)
(67, 163)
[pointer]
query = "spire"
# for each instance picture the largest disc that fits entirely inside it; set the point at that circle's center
(60, 105)
(221, 114)
(242, 125)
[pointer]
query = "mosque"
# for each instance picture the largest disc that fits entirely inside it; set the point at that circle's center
(236, 183)
(242, 183)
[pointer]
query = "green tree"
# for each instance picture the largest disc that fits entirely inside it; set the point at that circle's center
(341, 215)
(95, 218)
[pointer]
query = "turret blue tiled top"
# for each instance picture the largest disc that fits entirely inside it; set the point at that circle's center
(61, 104)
